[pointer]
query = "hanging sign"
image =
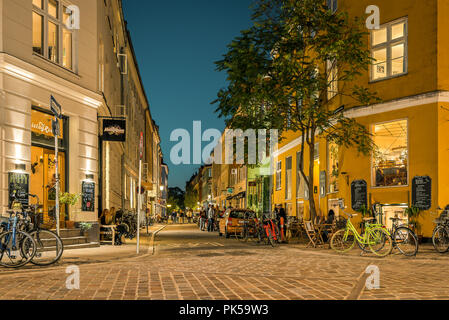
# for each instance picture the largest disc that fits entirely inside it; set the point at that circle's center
(18, 188)
(422, 192)
(88, 196)
(114, 130)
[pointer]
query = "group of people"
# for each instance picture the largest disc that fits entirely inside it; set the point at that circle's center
(179, 216)
(209, 217)
(112, 218)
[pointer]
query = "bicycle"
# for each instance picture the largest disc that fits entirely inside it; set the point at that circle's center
(17, 247)
(268, 231)
(404, 239)
(440, 236)
(49, 246)
(375, 237)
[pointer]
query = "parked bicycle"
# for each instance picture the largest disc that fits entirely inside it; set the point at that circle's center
(440, 236)
(404, 239)
(49, 246)
(375, 237)
(17, 247)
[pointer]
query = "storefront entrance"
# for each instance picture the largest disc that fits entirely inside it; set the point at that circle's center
(43, 180)
(43, 177)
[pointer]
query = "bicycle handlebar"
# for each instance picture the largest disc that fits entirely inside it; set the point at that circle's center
(349, 215)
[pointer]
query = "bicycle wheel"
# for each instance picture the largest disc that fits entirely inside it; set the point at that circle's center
(364, 247)
(440, 239)
(406, 241)
(276, 234)
(49, 247)
(343, 241)
(380, 242)
(16, 250)
(270, 238)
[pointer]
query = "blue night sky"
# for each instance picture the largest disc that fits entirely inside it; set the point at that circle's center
(176, 44)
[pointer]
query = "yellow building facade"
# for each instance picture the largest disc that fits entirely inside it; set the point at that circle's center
(410, 127)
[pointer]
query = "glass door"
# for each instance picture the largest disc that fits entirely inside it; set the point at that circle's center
(43, 179)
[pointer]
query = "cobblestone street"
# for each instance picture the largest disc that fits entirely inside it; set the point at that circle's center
(190, 264)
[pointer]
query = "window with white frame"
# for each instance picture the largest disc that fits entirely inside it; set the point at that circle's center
(389, 50)
(51, 37)
(279, 175)
(288, 178)
(332, 78)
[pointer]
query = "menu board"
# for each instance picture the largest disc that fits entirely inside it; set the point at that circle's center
(18, 188)
(422, 192)
(88, 196)
(359, 194)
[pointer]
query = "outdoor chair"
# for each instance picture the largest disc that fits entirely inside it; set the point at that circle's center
(111, 232)
(315, 238)
(294, 228)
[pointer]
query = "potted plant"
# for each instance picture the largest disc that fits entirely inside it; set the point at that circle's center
(413, 214)
(85, 227)
(70, 200)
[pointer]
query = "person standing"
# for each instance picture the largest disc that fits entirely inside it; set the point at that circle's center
(202, 219)
(210, 217)
(189, 216)
(282, 219)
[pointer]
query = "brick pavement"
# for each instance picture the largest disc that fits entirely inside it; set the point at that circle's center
(237, 271)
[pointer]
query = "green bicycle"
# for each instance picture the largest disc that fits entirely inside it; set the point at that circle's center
(375, 237)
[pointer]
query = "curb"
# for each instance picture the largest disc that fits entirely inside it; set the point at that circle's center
(151, 245)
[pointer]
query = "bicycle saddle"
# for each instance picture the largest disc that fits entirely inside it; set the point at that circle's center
(369, 219)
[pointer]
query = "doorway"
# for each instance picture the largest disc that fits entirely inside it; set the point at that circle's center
(42, 182)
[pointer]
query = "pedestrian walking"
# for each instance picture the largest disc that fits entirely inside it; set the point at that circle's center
(202, 220)
(189, 216)
(210, 219)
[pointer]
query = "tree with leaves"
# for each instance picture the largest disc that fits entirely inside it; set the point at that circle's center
(191, 197)
(290, 70)
(176, 199)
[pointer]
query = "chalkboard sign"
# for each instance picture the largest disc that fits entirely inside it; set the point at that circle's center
(88, 196)
(18, 188)
(359, 194)
(422, 192)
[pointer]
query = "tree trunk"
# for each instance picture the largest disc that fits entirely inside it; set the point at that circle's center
(312, 210)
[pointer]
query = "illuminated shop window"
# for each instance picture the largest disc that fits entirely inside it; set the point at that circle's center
(390, 160)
